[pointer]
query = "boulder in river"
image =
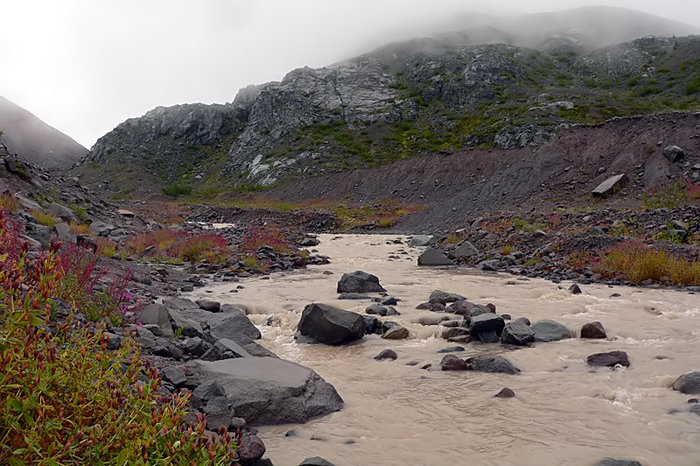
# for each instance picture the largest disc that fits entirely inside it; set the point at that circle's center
(492, 364)
(617, 462)
(610, 359)
(505, 393)
(465, 250)
(593, 330)
(396, 332)
(450, 362)
(267, 391)
(444, 297)
(359, 282)
(420, 240)
(517, 333)
(688, 383)
(433, 257)
(549, 330)
(331, 325)
(315, 461)
(386, 354)
(487, 322)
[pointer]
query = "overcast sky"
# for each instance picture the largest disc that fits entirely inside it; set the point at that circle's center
(84, 66)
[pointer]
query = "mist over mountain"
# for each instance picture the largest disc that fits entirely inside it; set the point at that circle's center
(31, 138)
(497, 83)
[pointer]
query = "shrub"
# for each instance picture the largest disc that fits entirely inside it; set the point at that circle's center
(9, 202)
(65, 399)
(178, 188)
(80, 228)
(160, 239)
(44, 218)
(637, 262)
(205, 247)
(256, 237)
(106, 247)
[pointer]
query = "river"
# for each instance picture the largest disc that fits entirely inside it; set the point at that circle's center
(564, 412)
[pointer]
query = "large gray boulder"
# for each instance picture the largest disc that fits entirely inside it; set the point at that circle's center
(267, 391)
(62, 212)
(688, 383)
(548, 330)
(487, 322)
(331, 325)
(157, 314)
(465, 250)
(673, 153)
(433, 257)
(359, 282)
(421, 240)
(492, 364)
(609, 359)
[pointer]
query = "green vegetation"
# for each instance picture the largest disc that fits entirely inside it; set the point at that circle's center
(177, 188)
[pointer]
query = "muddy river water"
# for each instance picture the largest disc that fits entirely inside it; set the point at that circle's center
(564, 412)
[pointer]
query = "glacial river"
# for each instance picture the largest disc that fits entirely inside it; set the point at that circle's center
(564, 412)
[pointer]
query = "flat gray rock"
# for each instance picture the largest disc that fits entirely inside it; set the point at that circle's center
(267, 391)
(432, 257)
(549, 330)
(610, 186)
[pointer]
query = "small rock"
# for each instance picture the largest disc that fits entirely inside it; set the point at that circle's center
(505, 393)
(433, 257)
(575, 289)
(673, 153)
(396, 332)
(209, 305)
(593, 330)
(359, 282)
(315, 461)
(688, 383)
(610, 359)
(387, 354)
(252, 448)
(617, 462)
(450, 362)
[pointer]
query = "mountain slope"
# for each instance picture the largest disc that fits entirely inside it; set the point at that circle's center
(32, 139)
(421, 96)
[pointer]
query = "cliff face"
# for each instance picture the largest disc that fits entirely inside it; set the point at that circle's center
(428, 95)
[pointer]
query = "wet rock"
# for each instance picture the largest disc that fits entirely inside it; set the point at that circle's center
(453, 332)
(673, 153)
(386, 354)
(252, 448)
(396, 332)
(610, 359)
(492, 265)
(517, 333)
(444, 297)
(452, 349)
(490, 336)
(593, 330)
(267, 391)
(492, 364)
(315, 461)
(688, 383)
(549, 330)
(433, 307)
(354, 296)
(157, 314)
(331, 325)
(372, 325)
(389, 301)
(465, 250)
(522, 320)
(432, 319)
(617, 462)
(378, 309)
(209, 305)
(359, 282)
(505, 393)
(450, 362)
(433, 257)
(460, 307)
(610, 186)
(575, 289)
(486, 322)
(420, 240)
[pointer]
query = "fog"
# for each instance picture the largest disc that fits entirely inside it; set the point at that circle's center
(84, 66)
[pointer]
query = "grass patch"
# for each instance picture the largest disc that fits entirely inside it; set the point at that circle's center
(178, 188)
(80, 228)
(9, 202)
(44, 218)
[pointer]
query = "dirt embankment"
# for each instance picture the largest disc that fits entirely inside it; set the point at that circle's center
(456, 187)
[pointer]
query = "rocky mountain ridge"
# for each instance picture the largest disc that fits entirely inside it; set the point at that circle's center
(422, 96)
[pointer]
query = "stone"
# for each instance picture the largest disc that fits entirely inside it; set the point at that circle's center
(610, 359)
(251, 449)
(549, 330)
(359, 282)
(492, 364)
(98, 228)
(485, 323)
(673, 153)
(386, 354)
(267, 391)
(593, 330)
(452, 349)
(575, 289)
(63, 212)
(688, 383)
(309, 242)
(505, 393)
(453, 332)
(354, 296)
(64, 233)
(187, 327)
(432, 257)
(420, 240)
(617, 462)
(208, 390)
(315, 461)
(331, 325)
(432, 319)
(235, 326)
(444, 297)
(517, 333)
(219, 413)
(194, 346)
(465, 250)
(372, 325)
(610, 186)
(226, 348)
(125, 213)
(175, 375)
(450, 362)
(157, 314)
(209, 305)
(377, 309)
(396, 332)
(460, 307)
(39, 232)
